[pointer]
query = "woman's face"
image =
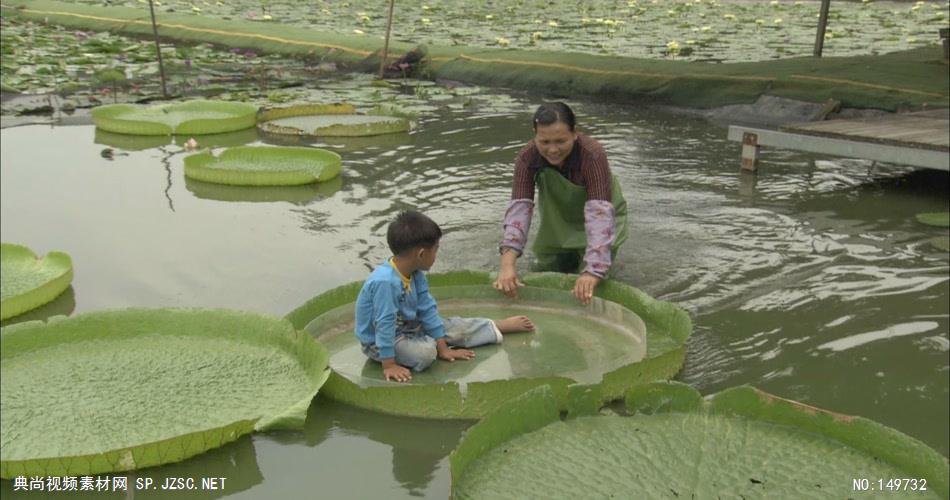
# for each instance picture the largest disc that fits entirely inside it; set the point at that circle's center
(554, 142)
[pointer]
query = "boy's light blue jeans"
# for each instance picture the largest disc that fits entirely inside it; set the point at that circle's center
(416, 350)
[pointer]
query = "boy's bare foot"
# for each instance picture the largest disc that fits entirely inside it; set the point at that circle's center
(514, 324)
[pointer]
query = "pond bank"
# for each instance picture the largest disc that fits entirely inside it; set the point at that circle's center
(897, 81)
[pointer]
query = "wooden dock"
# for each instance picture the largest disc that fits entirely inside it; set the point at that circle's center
(919, 139)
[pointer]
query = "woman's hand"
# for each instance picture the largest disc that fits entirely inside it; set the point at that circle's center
(507, 281)
(584, 287)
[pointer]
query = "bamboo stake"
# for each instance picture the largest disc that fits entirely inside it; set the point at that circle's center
(822, 24)
(389, 27)
(158, 49)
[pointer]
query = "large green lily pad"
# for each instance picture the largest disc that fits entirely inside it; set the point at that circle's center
(297, 195)
(741, 443)
(192, 118)
(264, 166)
(328, 120)
(121, 390)
(142, 142)
(939, 219)
(27, 281)
(625, 337)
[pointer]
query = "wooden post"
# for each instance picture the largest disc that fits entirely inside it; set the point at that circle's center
(822, 24)
(158, 49)
(750, 152)
(389, 27)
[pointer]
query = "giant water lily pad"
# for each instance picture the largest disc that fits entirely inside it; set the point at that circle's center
(741, 443)
(192, 118)
(28, 281)
(121, 390)
(142, 142)
(264, 166)
(939, 219)
(328, 120)
(624, 337)
(297, 195)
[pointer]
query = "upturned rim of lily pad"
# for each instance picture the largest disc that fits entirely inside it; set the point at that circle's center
(20, 264)
(164, 406)
(540, 407)
(668, 328)
(264, 166)
(198, 117)
(383, 124)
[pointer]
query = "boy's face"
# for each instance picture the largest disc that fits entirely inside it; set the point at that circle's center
(427, 256)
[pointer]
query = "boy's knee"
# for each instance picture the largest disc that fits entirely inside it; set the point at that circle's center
(419, 355)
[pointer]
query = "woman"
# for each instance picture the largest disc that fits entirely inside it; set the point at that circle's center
(583, 212)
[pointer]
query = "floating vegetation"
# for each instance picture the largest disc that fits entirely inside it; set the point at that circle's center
(297, 195)
(187, 118)
(627, 338)
(939, 219)
(672, 443)
(264, 166)
(28, 281)
(329, 120)
(129, 389)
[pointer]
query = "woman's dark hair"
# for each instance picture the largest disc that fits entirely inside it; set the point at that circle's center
(411, 230)
(553, 112)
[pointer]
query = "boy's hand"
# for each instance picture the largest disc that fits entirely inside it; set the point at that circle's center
(584, 287)
(449, 354)
(396, 372)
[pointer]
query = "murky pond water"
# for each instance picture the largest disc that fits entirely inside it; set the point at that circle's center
(814, 282)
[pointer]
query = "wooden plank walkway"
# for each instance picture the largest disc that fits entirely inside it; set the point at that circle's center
(925, 129)
(919, 139)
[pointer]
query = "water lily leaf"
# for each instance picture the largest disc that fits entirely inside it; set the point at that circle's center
(134, 388)
(939, 219)
(298, 195)
(941, 242)
(623, 338)
(27, 281)
(264, 166)
(742, 443)
(338, 125)
(192, 118)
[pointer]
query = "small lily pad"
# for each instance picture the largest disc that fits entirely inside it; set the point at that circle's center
(939, 219)
(192, 118)
(27, 281)
(740, 443)
(264, 166)
(127, 389)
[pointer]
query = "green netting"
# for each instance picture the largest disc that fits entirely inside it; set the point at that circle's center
(889, 81)
(742, 443)
(623, 338)
(128, 389)
(191, 118)
(28, 281)
(264, 166)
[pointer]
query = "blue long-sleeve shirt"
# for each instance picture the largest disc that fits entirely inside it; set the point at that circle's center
(384, 304)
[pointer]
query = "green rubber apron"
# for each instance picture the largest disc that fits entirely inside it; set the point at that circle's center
(562, 241)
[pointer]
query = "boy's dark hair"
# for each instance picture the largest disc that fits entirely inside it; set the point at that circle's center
(411, 230)
(553, 112)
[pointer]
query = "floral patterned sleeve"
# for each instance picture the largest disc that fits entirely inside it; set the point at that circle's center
(517, 224)
(600, 228)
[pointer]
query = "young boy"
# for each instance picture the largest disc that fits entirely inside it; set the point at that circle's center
(397, 320)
